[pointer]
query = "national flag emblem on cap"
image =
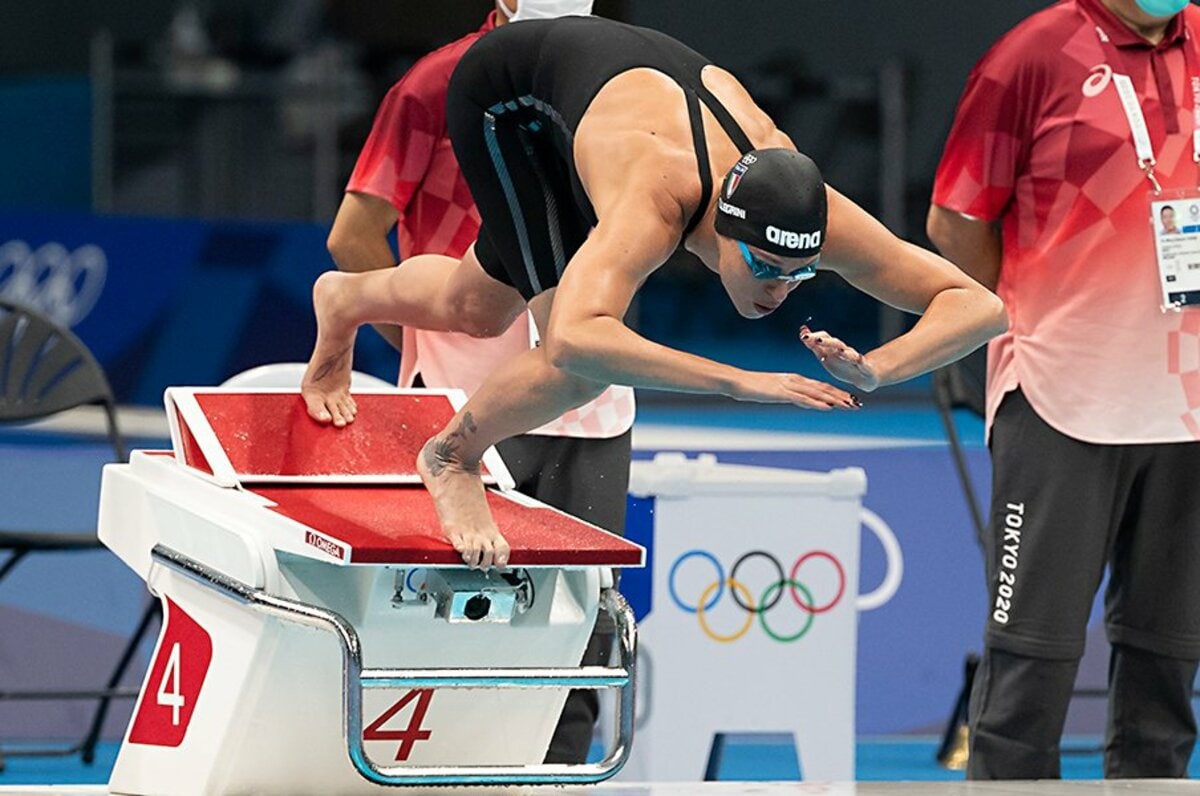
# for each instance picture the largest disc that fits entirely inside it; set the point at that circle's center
(735, 177)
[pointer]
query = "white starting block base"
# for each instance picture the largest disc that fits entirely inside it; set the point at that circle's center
(321, 636)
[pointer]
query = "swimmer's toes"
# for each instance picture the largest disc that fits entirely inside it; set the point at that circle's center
(317, 408)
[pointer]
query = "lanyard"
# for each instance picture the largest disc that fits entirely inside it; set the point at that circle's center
(1132, 106)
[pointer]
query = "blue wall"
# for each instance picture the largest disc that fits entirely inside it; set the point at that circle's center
(173, 302)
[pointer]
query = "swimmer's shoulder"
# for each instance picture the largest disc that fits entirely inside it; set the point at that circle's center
(754, 121)
(639, 176)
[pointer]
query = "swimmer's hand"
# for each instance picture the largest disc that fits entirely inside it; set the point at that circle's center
(792, 388)
(842, 361)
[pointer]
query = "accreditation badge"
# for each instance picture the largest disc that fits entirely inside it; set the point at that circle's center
(1175, 218)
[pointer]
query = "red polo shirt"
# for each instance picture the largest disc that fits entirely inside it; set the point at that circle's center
(1041, 145)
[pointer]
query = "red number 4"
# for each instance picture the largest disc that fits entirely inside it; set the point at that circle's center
(410, 734)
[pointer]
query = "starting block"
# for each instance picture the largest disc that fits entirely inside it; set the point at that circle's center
(321, 635)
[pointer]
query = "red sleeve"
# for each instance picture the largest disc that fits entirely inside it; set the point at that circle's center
(993, 128)
(410, 121)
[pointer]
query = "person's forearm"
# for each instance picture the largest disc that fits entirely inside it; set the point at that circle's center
(606, 350)
(972, 244)
(531, 390)
(362, 253)
(957, 321)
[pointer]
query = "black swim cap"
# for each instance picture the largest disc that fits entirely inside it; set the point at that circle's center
(774, 199)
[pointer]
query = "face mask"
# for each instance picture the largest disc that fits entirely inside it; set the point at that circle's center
(1162, 8)
(547, 9)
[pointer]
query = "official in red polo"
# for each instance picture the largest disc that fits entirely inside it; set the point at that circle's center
(1073, 129)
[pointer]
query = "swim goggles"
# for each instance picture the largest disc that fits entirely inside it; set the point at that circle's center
(764, 270)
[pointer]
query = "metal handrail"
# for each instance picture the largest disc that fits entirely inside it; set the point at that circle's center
(355, 678)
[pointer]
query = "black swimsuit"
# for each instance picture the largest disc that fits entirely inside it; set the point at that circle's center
(514, 103)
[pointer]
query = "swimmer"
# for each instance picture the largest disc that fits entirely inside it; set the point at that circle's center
(590, 147)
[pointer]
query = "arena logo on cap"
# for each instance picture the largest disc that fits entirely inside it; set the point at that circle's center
(794, 240)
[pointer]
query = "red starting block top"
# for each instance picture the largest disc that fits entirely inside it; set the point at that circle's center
(398, 525)
(355, 490)
(252, 436)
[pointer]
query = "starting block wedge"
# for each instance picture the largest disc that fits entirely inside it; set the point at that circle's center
(320, 635)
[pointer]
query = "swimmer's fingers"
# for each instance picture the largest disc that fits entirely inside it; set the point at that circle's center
(842, 362)
(792, 388)
(813, 394)
(823, 344)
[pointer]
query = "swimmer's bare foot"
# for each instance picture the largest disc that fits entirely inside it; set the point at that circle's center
(326, 382)
(461, 503)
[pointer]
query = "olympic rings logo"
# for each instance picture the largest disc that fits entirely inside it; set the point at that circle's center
(767, 600)
(63, 285)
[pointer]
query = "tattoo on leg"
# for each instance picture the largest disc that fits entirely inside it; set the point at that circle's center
(468, 423)
(466, 427)
(432, 460)
(330, 364)
(440, 453)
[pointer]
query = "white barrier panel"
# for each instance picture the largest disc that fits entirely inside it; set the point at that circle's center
(753, 623)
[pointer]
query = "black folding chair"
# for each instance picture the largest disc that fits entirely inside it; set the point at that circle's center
(45, 369)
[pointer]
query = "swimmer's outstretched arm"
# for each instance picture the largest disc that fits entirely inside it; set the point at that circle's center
(957, 313)
(531, 390)
(587, 336)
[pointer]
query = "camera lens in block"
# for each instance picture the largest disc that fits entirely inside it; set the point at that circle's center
(477, 607)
